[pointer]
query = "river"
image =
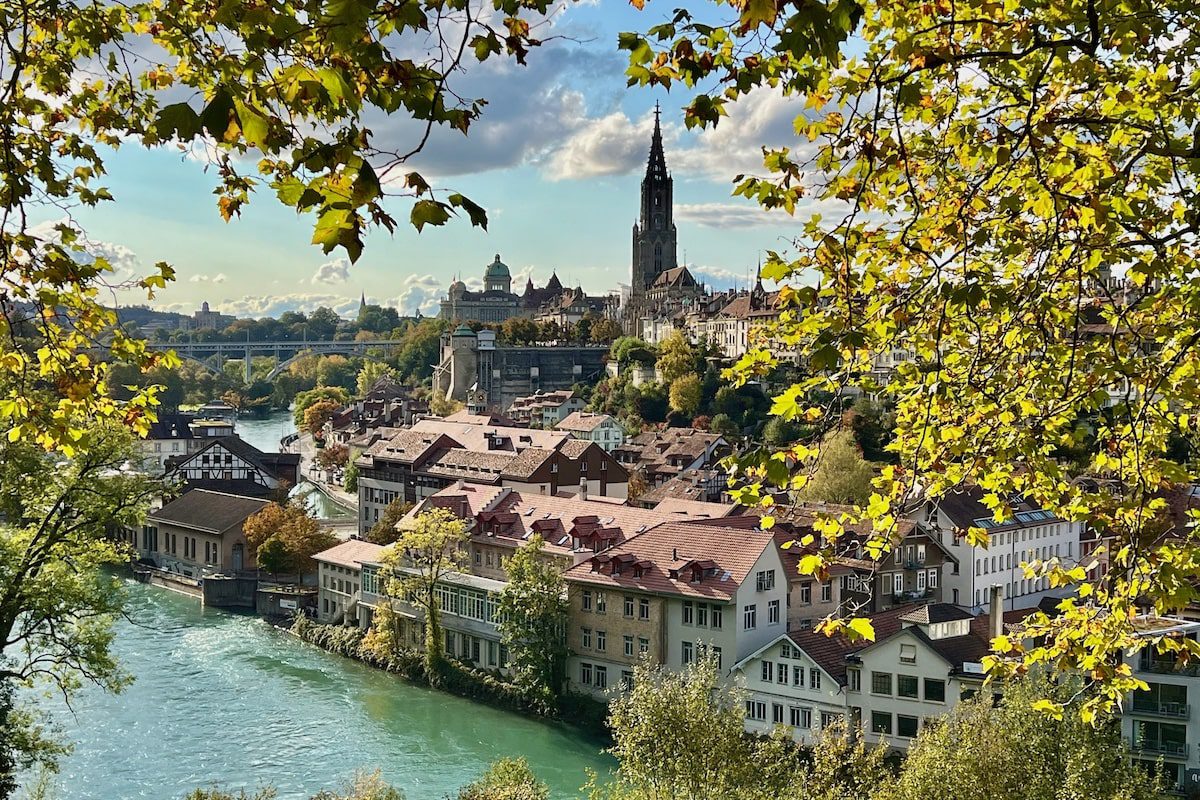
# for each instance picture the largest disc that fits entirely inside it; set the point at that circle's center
(226, 700)
(265, 433)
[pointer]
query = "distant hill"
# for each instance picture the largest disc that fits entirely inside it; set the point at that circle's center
(146, 317)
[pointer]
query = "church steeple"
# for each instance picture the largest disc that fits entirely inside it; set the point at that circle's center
(654, 245)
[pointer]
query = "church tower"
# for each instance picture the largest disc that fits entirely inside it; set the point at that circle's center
(654, 233)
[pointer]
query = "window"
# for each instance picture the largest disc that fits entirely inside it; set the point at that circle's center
(627, 679)
(773, 612)
(854, 680)
(931, 578)
(478, 558)
(906, 726)
(783, 673)
(491, 559)
(777, 713)
(898, 583)
(920, 581)
(765, 580)
(585, 600)
(830, 718)
(806, 594)
(585, 639)
(768, 671)
(749, 617)
(756, 710)
(643, 644)
(601, 641)
(800, 717)
(814, 679)
(702, 614)
(716, 651)
(881, 683)
(908, 654)
(643, 608)
(688, 612)
(600, 602)
(628, 606)
(628, 642)
(827, 591)
(935, 690)
(601, 677)
(686, 657)
(798, 677)
(907, 686)
(716, 618)
(881, 722)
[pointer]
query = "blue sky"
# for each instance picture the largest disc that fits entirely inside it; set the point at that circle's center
(556, 160)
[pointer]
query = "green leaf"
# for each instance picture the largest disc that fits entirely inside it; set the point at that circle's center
(254, 125)
(179, 121)
(428, 212)
(475, 212)
(217, 115)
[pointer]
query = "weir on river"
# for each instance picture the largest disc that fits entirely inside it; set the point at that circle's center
(227, 700)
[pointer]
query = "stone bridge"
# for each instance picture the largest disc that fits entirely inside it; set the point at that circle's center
(283, 352)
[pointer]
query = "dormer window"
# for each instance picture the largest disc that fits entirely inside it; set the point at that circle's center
(908, 654)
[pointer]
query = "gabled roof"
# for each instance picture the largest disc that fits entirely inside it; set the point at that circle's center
(208, 511)
(585, 421)
(965, 509)
(478, 437)
(171, 426)
(677, 276)
(352, 553)
(280, 465)
(692, 509)
(783, 637)
(677, 547)
(409, 446)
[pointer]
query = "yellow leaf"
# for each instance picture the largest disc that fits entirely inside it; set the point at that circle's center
(861, 628)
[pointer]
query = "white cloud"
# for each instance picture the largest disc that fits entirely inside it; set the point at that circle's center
(729, 215)
(274, 305)
(335, 271)
(721, 277)
(419, 293)
(124, 262)
(202, 278)
(611, 145)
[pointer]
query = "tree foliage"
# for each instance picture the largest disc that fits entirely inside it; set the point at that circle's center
(316, 415)
(840, 475)
(321, 394)
(370, 372)
(288, 538)
(986, 172)
(507, 779)
(429, 548)
(685, 395)
(384, 531)
(533, 622)
(676, 358)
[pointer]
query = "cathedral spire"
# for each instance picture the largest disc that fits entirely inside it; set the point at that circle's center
(656, 166)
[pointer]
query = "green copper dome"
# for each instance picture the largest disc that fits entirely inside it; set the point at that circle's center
(463, 330)
(496, 270)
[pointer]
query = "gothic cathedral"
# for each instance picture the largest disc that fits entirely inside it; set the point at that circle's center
(654, 235)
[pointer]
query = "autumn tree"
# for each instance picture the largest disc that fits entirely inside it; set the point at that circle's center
(317, 415)
(321, 394)
(840, 475)
(676, 358)
(371, 372)
(604, 331)
(288, 537)
(519, 330)
(533, 622)
(685, 394)
(433, 545)
(507, 779)
(1007, 202)
(385, 531)
(333, 456)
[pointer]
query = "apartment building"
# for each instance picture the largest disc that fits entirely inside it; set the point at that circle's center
(663, 455)
(671, 594)
(545, 409)
(1028, 535)
(591, 426)
(339, 579)
(200, 533)
(925, 659)
(1158, 723)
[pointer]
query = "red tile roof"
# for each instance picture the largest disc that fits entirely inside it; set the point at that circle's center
(351, 553)
(672, 552)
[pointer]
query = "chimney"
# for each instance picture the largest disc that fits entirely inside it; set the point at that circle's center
(583, 489)
(674, 553)
(996, 614)
(458, 484)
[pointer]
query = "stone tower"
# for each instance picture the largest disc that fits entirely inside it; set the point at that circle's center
(654, 233)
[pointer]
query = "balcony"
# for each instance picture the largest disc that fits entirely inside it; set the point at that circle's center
(1159, 746)
(1155, 708)
(1167, 666)
(912, 564)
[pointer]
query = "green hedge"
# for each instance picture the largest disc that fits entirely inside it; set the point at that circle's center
(456, 677)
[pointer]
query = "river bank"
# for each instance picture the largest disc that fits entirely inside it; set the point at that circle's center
(227, 699)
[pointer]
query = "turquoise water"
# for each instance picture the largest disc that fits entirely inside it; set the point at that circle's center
(227, 700)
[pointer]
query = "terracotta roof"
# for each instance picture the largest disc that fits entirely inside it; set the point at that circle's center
(585, 421)
(671, 553)
(408, 446)
(350, 553)
(676, 276)
(483, 437)
(468, 464)
(505, 516)
(205, 510)
(574, 448)
(936, 612)
(464, 416)
(694, 508)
